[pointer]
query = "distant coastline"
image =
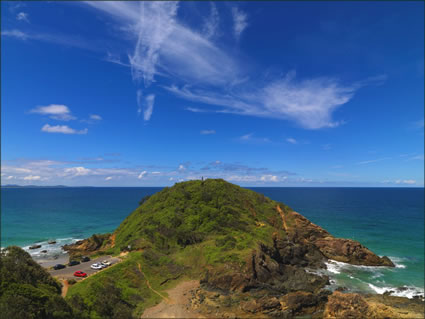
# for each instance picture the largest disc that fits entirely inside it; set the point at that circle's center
(36, 186)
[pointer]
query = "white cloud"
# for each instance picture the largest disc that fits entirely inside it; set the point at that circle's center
(155, 24)
(147, 112)
(55, 111)
(10, 177)
(207, 132)
(211, 23)
(22, 16)
(406, 181)
(269, 178)
(32, 178)
(15, 34)
(239, 22)
(108, 178)
(181, 168)
(196, 110)
(60, 39)
(208, 73)
(95, 117)
(166, 47)
(142, 174)
(291, 140)
(310, 103)
(139, 95)
(64, 129)
(77, 171)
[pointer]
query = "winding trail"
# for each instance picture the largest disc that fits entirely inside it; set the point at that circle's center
(65, 288)
(150, 287)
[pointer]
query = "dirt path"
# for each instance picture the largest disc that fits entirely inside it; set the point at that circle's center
(150, 287)
(282, 215)
(178, 304)
(65, 288)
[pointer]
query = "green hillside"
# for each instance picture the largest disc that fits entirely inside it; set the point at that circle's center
(233, 240)
(228, 217)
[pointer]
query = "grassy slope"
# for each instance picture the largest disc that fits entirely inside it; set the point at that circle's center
(179, 231)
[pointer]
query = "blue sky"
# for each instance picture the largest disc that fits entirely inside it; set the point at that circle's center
(271, 94)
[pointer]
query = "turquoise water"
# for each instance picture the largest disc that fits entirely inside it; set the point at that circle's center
(389, 221)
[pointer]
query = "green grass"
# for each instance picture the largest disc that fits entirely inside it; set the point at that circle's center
(132, 283)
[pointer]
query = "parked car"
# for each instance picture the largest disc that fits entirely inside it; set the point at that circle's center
(85, 258)
(79, 273)
(106, 263)
(73, 263)
(96, 266)
(58, 266)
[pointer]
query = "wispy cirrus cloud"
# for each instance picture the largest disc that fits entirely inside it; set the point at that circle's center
(211, 23)
(195, 68)
(239, 22)
(149, 102)
(60, 39)
(310, 103)
(63, 129)
(373, 161)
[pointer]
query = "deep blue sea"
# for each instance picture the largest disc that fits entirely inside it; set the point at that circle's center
(389, 221)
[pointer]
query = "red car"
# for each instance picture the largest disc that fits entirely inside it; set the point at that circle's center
(79, 273)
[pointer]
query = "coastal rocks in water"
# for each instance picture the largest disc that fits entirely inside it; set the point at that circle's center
(43, 251)
(350, 251)
(51, 242)
(339, 249)
(89, 245)
(35, 246)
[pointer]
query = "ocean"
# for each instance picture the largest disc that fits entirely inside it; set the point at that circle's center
(389, 221)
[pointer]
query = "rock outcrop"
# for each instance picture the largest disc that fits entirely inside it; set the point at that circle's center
(346, 250)
(356, 306)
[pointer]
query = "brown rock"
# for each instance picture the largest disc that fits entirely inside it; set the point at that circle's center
(349, 306)
(350, 251)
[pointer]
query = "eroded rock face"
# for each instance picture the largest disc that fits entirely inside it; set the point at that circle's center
(339, 249)
(268, 269)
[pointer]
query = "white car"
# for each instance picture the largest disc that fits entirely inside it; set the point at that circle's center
(106, 263)
(96, 266)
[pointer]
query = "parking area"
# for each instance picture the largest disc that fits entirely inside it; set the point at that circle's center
(68, 272)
